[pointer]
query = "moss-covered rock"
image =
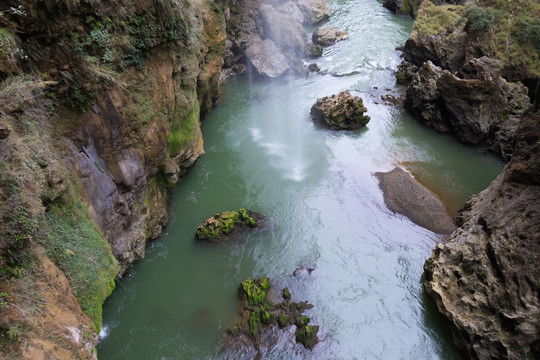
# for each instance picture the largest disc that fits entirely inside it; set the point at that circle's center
(286, 294)
(308, 336)
(254, 292)
(283, 319)
(259, 314)
(301, 320)
(216, 227)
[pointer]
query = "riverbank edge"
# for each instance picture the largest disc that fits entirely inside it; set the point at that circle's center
(484, 279)
(93, 141)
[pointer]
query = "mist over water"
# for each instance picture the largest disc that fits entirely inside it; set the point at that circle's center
(326, 212)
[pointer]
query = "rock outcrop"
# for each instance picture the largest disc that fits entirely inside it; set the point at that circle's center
(477, 107)
(406, 196)
(485, 278)
(262, 315)
(279, 22)
(283, 30)
(220, 226)
(314, 11)
(328, 35)
(340, 112)
(266, 57)
(100, 162)
(405, 7)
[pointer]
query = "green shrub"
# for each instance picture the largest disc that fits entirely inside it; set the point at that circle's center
(76, 245)
(480, 19)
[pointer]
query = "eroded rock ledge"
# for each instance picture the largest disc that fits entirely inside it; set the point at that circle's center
(486, 278)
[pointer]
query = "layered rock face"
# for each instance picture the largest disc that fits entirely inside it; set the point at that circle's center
(468, 83)
(485, 278)
(477, 106)
(104, 127)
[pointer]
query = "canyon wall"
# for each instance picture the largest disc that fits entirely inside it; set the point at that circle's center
(100, 107)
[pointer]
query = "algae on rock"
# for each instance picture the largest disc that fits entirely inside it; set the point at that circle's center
(259, 314)
(220, 225)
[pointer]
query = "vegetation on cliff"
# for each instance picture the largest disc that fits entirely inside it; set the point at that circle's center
(91, 108)
(504, 30)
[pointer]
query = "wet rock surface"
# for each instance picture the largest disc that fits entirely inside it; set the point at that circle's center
(265, 320)
(406, 196)
(328, 35)
(340, 112)
(314, 11)
(222, 225)
(485, 278)
(267, 58)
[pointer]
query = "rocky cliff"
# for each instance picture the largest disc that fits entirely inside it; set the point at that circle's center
(100, 104)
(469, 68)
(486, 278)
(477, 62)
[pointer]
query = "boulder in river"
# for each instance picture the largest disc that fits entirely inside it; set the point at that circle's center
(267, 58)
(328, 35)
(262, 316)
(340, 112)
(222, 225)
(406, 196)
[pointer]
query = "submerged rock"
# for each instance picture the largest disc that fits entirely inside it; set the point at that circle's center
(219, 226)
(313, 50)
(328, 35)
(260, 315)
(267, 58)
(406, 196)
(314, 67)
(340, 112)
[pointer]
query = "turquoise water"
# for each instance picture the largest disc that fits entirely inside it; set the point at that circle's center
(325, 209)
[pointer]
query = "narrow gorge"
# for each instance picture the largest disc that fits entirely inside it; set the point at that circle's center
(103, 110)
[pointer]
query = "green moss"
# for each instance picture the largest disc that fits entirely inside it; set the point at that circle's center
(255, 323)
(76, 245)
(248, 220)
(224, 223)
(308, 336)
(433, 20)
(301, 320)
(254, 292)
(219, 224)
(286, 294)
(283, 319)
(267, 317)
(183, 130)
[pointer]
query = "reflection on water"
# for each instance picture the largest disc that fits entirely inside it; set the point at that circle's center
(326, 211)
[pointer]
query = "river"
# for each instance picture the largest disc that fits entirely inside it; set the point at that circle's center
(326, 211)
